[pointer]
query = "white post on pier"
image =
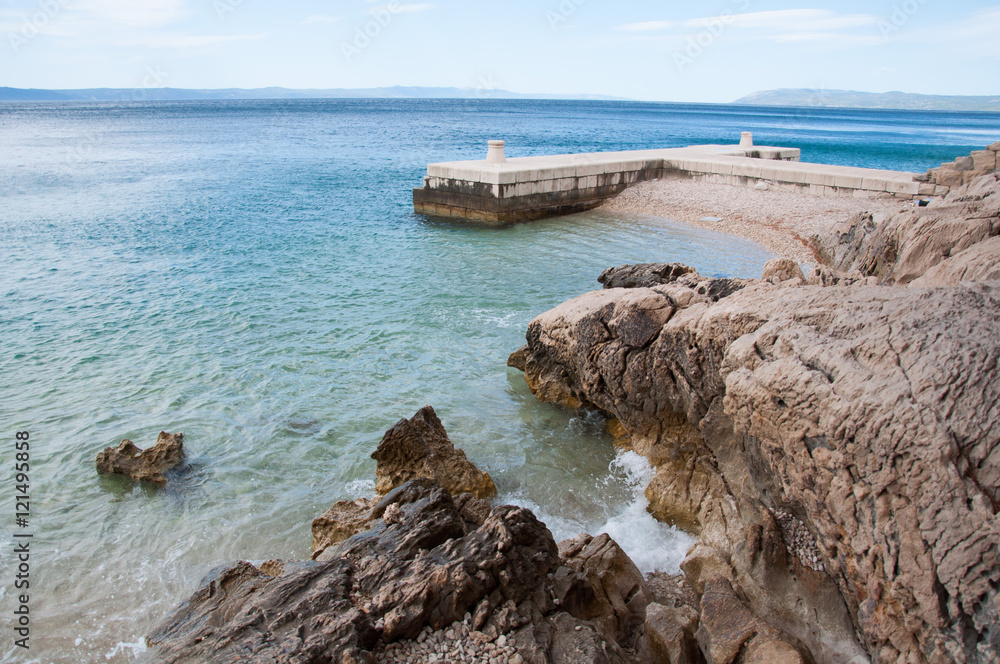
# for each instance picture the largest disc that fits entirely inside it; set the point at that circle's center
(746, 140)
(496, 153)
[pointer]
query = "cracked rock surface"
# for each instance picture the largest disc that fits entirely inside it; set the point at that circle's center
(422, 583)
(866, 418)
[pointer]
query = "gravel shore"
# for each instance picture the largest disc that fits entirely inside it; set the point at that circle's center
(781, 221)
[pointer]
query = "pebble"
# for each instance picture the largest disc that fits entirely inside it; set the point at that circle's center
(455, 644)
(776, 219)
(800, 541)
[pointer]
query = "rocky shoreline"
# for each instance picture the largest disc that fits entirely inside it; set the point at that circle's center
(832, 439)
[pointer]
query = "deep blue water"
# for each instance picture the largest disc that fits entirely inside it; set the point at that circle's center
(252, 274)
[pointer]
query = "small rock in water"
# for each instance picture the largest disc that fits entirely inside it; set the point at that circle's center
(144, 465)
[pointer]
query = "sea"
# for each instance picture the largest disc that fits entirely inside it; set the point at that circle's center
(252, 274)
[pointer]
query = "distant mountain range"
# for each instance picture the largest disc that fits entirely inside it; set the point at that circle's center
(177, 94)
(787, 97)
(853, 99)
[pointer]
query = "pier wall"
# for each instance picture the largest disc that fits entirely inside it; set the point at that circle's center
(499, 190)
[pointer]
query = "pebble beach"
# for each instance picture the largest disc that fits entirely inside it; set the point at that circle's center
(781, 221)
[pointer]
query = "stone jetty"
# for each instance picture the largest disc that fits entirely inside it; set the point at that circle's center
(501, 190)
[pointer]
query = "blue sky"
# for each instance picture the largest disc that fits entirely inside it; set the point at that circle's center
(713, 51)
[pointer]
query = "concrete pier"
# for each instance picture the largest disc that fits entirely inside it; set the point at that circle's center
(502, 190)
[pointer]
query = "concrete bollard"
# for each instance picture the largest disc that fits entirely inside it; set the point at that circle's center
(746, 140)
(496, 154)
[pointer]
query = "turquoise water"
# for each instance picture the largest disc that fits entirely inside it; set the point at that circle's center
(252, 275)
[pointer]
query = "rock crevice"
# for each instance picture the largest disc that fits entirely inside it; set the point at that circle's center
(835, 448)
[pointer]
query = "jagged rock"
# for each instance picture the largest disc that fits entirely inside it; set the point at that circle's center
(146, 465)
(240, 615)
(345, 519)
(868, 413)
(427, 563)
(428, 568)
(730, 632)
(906, 245)
(643, 276)
(669, 635)
(517, 358)
(420, 447)
(648, 275)
(980, 262)
(616, 595)
(779, 270)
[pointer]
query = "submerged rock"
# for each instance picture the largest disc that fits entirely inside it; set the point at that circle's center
(146, 465)
(420, 447)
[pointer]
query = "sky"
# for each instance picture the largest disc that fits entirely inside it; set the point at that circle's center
(656, 50)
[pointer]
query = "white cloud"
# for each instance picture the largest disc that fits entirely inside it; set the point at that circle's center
(417, 7)
(792, 20)
(322, 18)
(396, 8)
(192, 41)
(648, 26)
(785, 25)
(132, 13)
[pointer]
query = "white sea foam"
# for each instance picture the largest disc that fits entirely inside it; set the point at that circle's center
(137, 648)
(360, 488)
(653, 546)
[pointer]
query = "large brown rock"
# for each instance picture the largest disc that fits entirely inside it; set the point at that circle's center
(147, 465)
(428, 563)
(730, 633)
(904, 246)
(616, 595)
(866, 415)
(420, 447)
(427, 566)
(669, 635)
(980, 262)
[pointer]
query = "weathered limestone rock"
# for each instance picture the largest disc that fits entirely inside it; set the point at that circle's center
(428, 562)
(980, 262)
(577, 642)
(345, 519)
(647, 275)
(643, 276)
(420, 447)
(780, 270)
(963, 170)
(729, 632)
(145, 465)
(906, 245)
(669, 634)
(616, 597)
(866, 413)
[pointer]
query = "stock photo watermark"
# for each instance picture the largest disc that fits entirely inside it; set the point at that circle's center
(382, 18)
(224, 8)
(35, 24)
(711, 30)
(563, 13)
(900, 16)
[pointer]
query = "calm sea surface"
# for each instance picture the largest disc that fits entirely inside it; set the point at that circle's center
(252, 275)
